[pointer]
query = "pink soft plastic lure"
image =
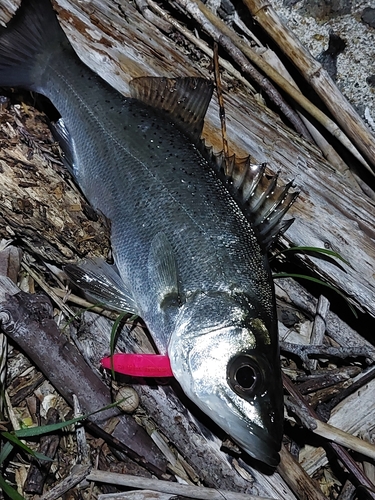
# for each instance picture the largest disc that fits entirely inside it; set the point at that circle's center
(139, 365)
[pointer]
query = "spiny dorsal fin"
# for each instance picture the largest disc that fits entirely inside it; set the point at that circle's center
(185, 99)
(259, 196)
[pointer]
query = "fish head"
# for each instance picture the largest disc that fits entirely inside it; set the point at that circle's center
(226, 360)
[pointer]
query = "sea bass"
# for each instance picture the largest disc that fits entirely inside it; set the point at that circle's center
(189, 230)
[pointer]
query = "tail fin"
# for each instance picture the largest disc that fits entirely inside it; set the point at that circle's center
(30, 38)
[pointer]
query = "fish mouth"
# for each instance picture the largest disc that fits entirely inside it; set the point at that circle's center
(259, 444)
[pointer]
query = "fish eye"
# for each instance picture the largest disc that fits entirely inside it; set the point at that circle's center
(244, 375)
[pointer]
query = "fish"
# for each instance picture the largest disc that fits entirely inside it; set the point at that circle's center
(190, 229)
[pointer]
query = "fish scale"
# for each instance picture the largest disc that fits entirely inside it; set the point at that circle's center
(185, 232)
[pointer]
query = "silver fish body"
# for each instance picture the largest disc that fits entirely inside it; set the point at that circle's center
(190, 262)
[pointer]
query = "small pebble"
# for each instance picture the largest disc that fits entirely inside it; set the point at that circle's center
(128, 399)
(368, 16)
(328, 58)
(288, 318)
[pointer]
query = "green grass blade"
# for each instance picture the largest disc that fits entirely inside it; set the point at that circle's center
(8, 490)
(4, 453)
(317, 252)
(320, 282)
(45, 429)
(14, 439)
(114, 331)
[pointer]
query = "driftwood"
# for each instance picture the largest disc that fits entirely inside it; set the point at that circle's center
(41, 208)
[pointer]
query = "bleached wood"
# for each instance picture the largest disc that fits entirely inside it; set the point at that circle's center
(338, 436)
(167, 487)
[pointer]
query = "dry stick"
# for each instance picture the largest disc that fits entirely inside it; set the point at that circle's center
(365, 378)
(220, 99)
(62, 294)
(342, 454)
(344, 438)
(201, 44)
(3, 369)
(328, 431)
(77, 475)
(303, 486)
(41, 340)
(10, 262)
(315, 74)
(319, 328)
(39, 469)
(48, 290)
(237, 49)
(190, 491)
(162, 24)
(214, 30)
(322, 143)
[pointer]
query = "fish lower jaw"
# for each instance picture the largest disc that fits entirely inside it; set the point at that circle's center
(259, 443)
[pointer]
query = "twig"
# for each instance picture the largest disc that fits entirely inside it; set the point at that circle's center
(167, 487)
(77, 474)
(26, 320)
(330, 432)
(3, 369)
(150, 16)
(325, 409)
(319, 328)
(344, 438)
(49, 290)
(303, 486)
(83, 450)
(137, 495)
(347, 492)
(328, 151)
(10, 263)
(39, 469)
(79, 301)
(323, 351)
(220, 98)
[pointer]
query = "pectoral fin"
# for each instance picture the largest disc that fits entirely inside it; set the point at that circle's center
(162, 272)
(101, 283)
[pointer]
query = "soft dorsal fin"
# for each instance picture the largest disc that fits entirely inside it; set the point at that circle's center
(259, 196)
(185, 99)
